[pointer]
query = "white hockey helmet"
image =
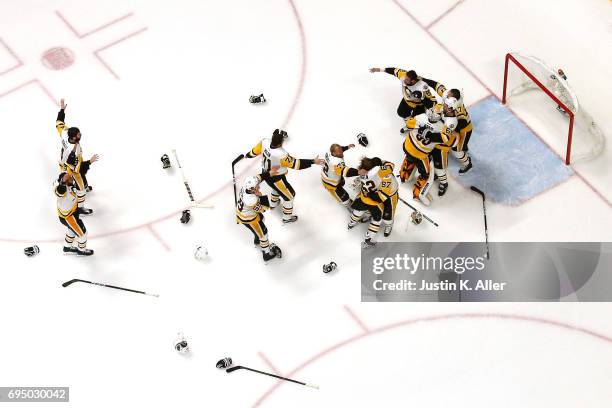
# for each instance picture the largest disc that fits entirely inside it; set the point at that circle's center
(250, 183)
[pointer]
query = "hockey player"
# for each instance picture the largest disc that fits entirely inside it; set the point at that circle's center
(457, 118)
(249, 212)
(334, 171)
(375, 176)
(418, 93)
(67, 193)
(274, 155)
(422, 138)
(71, 160)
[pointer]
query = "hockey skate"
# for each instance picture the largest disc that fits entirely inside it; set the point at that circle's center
(273, 252)
(85, 211)
(70, 250)
(388, 229)
(467, 167)
(291, 219)
(84, 252)
(368, 243)
(442, 187)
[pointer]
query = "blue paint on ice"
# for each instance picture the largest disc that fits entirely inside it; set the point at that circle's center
(511, 164)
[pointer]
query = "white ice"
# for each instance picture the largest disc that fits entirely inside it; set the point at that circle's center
(184, 83)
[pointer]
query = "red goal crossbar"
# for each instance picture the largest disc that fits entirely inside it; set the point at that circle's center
(510, 57)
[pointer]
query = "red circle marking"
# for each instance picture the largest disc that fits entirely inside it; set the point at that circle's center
(57, 58)
(288, 117)
(459, 316)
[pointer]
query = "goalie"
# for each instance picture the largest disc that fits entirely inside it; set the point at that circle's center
(425, 132)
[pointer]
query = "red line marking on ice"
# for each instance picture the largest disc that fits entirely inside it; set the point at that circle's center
(18, 60)
(300, 87)
(356, 319)
(222, 187)
(269, 363)
(92, 31)
(477, 78)
(31, 81)
(431, 319)
(97, 55)
(447, 12)
(158, 237)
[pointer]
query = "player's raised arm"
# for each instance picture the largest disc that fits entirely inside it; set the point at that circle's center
(254, 152)
(61, 116)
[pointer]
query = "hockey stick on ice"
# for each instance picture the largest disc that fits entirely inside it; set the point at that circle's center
(71, 281)
(236, 160)
(414, 209)
(484, 210)
(187, 187)
(232, 369)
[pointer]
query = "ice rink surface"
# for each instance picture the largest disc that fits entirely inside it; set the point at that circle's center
(144, 77)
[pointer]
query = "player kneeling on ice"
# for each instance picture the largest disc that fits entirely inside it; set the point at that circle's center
(334, 171)
(68, 211)
(273, 155)
(424, 133)
(378, 195)
(249, 212)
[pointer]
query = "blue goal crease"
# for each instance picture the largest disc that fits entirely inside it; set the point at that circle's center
(511, 163)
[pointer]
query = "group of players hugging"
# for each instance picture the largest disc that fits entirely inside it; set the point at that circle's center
(435, 123)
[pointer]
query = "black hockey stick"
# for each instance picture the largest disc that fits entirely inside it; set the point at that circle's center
(484, 210)
(232, 369)
(236, 160)
(71, 281)
(414, 209)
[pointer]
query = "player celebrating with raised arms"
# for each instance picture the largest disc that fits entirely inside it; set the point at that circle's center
(273, 155)
(418, 93)
(71, 160)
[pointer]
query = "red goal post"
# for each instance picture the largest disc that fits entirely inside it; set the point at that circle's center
(568, 111)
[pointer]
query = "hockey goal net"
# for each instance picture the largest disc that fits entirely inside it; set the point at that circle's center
(575, 134)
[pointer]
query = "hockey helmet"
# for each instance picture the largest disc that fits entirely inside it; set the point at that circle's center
(434, 114)
(451, 103)
(250, 183)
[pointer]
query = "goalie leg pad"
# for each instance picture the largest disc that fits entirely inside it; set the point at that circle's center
(406, 170)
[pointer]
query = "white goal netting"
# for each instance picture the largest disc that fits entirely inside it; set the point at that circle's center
(587, 139)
